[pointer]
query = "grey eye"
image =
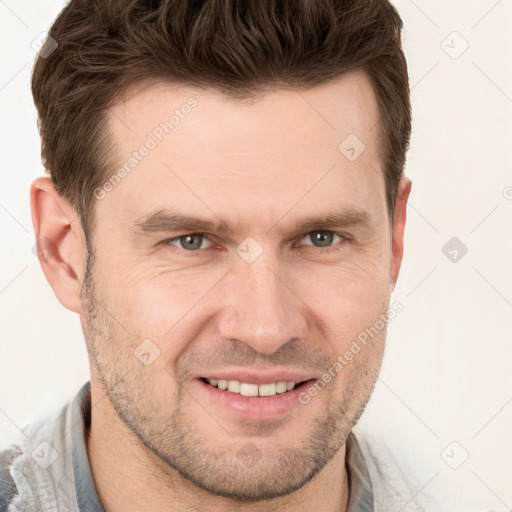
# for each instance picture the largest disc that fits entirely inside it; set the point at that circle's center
(321, 238)
(190, 242)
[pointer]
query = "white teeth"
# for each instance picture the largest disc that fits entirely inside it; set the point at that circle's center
(246, 389)
(281, 387)
(234, 386)
(267, 389)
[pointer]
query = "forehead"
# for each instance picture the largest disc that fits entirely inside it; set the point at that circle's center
(191, 147)
(345, 104)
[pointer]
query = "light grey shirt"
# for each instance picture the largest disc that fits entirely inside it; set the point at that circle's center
(48, 469)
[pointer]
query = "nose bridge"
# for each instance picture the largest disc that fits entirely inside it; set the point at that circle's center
(260, 310)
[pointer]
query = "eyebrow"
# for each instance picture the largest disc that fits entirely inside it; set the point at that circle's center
(167, 221)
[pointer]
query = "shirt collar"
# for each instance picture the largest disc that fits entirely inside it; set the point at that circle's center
(86, 494)
(360, 488)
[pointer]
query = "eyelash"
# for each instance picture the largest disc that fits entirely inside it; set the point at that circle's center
(335, 247)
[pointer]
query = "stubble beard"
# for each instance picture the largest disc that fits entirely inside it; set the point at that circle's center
(178, 445)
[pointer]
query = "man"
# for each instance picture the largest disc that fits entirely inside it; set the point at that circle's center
(225, 211)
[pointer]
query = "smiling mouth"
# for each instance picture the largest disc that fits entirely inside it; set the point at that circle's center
(261, 390)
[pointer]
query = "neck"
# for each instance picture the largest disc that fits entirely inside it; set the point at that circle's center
(128, 477)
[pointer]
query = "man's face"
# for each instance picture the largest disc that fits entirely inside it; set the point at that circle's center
(267, 301)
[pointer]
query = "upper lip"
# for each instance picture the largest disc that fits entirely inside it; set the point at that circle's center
(258, 376)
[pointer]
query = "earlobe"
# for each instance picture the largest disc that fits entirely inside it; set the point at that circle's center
(398, 229)
(60, 242)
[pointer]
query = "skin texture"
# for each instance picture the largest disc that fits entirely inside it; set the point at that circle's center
(158, 441)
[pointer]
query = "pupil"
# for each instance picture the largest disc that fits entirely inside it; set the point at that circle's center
(323, 237)
(189, 239)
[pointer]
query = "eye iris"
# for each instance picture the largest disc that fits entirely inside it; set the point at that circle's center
(188, 238)
(324, 237)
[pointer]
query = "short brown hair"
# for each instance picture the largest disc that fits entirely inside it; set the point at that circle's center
(238, 47)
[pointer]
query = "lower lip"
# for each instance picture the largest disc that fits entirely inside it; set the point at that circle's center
(256, 407)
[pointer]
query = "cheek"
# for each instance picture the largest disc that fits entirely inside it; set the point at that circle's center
(360, 364)
(346, 299)
(155, 302)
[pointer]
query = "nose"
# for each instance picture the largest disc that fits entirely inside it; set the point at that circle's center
(260, 309)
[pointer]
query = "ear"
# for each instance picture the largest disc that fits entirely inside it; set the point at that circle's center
(60, 242)
(404, 190)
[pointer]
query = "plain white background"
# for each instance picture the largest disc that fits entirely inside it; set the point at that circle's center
(445, 392)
